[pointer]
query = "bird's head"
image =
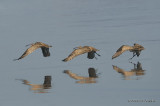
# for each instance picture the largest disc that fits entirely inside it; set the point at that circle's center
(139, 46)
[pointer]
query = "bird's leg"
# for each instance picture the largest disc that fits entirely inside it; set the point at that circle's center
(97, 54)
(133, 56)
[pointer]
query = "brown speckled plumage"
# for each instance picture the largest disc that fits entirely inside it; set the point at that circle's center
(136, 49)
(81, 50)
(44, 47)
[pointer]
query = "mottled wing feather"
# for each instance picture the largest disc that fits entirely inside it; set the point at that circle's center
(138, 47)
(28, 51)
(121, 50)
(117, 54)
(75, 53)
(72, 55)
(45, 51)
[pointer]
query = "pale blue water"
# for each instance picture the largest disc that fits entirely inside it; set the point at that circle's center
(65, 24)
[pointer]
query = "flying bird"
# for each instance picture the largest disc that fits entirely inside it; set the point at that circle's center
(44, 47)
(136, 49)
(81, 50)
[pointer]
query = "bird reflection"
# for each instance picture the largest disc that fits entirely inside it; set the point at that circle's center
(84, 80)
(39, 88)
(136, 71)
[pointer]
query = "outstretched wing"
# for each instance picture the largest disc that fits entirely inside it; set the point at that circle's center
(75, 53)
(45, 51)
(122, 49)
(28, 51)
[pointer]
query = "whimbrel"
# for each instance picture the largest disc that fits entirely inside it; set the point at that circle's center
(136, 49)
(81, 50)
(44, 47)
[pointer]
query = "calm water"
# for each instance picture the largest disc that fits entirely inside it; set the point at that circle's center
(65, 24)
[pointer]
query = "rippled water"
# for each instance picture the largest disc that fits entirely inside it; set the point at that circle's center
(65, 24)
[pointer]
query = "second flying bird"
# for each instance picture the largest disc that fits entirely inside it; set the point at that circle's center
(81, 50)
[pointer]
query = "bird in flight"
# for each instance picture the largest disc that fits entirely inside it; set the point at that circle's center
(44, 47)
(136, 49)
(81, 50)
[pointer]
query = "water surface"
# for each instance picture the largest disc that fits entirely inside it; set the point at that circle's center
(65, 24)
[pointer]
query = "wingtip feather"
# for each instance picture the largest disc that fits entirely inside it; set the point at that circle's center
(64, 60)
(15, 59)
